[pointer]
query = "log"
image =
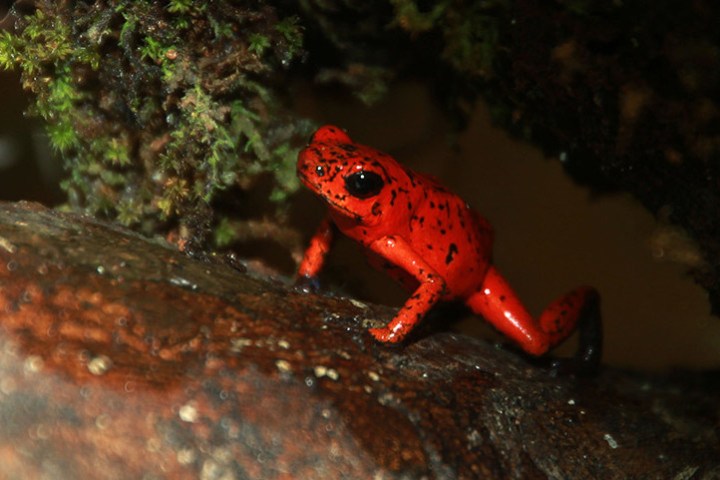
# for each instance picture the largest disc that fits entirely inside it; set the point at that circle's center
(121, 357)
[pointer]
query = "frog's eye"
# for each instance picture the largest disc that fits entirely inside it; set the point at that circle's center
(364, 184)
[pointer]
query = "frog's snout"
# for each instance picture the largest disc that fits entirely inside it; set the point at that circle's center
(306, 159)
(309, 169)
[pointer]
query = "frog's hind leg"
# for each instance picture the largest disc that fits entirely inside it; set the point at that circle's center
(580, 308)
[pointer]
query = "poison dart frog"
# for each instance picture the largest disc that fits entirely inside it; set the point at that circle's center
(431, 241)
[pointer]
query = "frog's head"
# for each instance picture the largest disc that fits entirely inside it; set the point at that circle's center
(356, 181)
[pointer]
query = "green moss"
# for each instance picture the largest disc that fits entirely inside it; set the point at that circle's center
(291, 31)
(410, 17)
(372, 43)
(469, 30)
(46, 56)
(157, 107)
(225, 233)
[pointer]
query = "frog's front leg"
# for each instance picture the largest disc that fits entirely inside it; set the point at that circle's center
(431, 289)
(315, 255)
(580, 308)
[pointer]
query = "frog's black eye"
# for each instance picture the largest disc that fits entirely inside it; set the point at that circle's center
(364, 184)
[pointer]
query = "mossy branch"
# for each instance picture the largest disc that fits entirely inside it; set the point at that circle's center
(156, 108)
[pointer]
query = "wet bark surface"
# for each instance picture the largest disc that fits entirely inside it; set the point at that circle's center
(123, 358)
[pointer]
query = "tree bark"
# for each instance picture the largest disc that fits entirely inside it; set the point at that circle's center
(123, 358)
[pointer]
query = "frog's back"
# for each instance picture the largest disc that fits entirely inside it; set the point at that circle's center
(451, 237)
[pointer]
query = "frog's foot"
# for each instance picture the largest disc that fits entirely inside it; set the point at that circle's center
(577, 310)
(385, 335)
(563, 367)
(587, 358)
(307, 284)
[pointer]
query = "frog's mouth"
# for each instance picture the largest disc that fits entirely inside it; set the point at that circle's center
(306, 166)
(337, 208)
(310, 184)
(342, 211)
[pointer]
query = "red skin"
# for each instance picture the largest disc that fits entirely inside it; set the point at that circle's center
(427, 238)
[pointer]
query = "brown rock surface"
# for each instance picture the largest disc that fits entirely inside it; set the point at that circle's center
(122, 358)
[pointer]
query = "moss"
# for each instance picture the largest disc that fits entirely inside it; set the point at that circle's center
(409, 16)
(225, 234)
(469, 30)
(157, 107)
(365, 45)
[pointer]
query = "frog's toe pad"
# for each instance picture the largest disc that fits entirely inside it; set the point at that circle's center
(384, 335)
(307, 284)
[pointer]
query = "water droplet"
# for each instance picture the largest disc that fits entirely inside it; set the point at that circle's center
(186, 456)
(358, 303)
(99, 365)
(33, 364)
(611, 441)
(180, 282)
(102, 421)
(283, 365)
(188, 413)
(322, 371)
(238, 344)
(6, 245)
(7, 386)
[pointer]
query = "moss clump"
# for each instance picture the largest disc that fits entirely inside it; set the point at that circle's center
(366, 44)
(468, 30)
(157, 107)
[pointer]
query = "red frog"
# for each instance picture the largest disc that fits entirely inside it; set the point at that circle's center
(430, 240)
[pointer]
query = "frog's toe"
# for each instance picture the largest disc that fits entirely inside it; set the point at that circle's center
(384, 335)
(307, 284)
